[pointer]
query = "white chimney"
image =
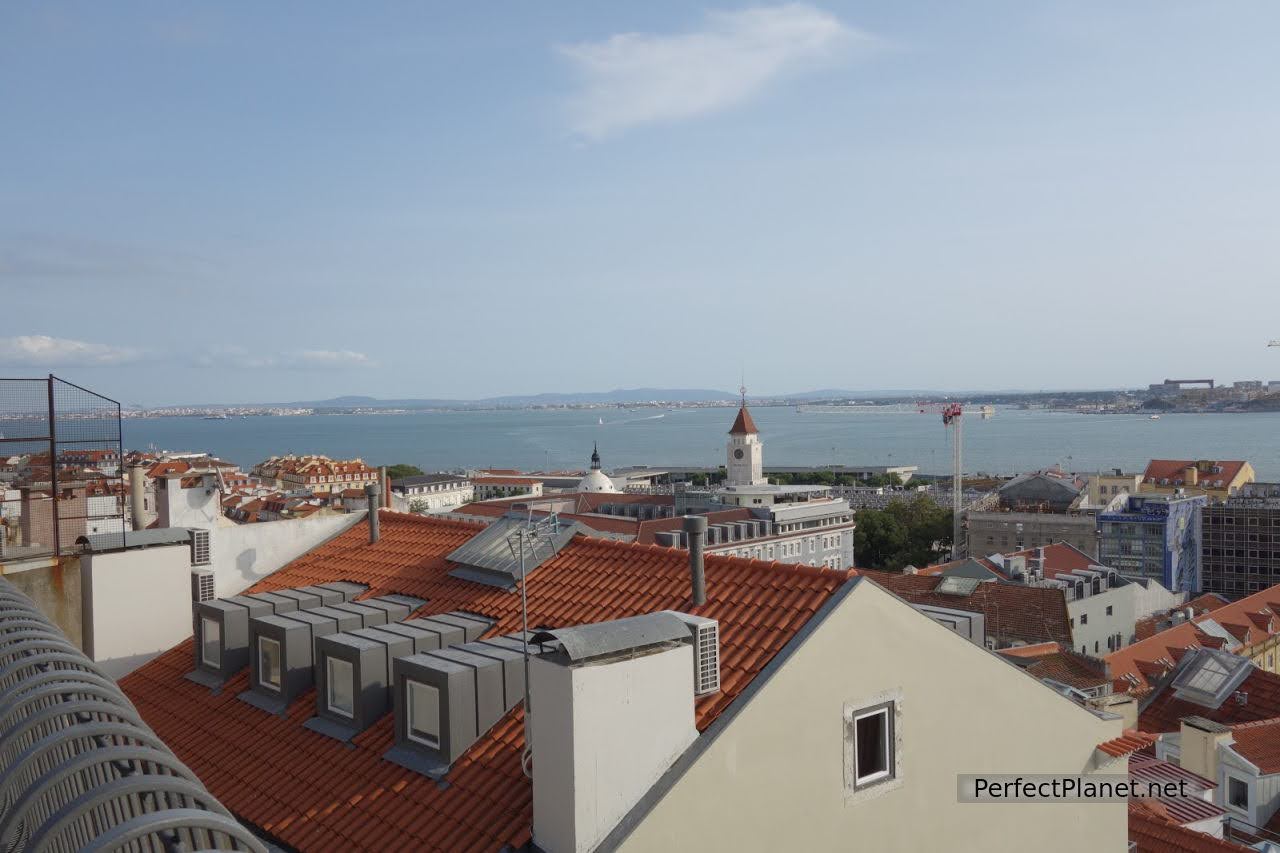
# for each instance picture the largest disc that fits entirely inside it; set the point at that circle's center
(611, 711)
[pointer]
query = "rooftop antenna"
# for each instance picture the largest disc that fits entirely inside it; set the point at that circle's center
(527, 540)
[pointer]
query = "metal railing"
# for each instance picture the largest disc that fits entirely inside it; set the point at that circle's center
(61, 467)
(1242, 832)
(81, 770)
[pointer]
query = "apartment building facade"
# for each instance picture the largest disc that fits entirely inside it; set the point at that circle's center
(1155, 536)
(1241, 542)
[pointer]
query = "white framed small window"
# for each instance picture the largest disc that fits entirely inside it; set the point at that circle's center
(422, 712)
(340, 686)
(873, 747)
(269, 662)
(210, 642)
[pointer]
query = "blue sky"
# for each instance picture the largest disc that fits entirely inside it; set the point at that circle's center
(266, 202)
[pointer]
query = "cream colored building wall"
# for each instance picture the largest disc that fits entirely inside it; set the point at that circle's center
(1104, 487)
(134, 604)
(774, 779)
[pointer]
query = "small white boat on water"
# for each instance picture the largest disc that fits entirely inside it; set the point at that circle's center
(1154, 418)
(600, 421)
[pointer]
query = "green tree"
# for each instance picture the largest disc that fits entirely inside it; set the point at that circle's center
(399, 472)
(878, 539)
(905, 533)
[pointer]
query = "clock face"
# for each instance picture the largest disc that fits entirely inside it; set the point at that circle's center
(737, 454)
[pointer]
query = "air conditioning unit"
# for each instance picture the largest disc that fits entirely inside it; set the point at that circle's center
(705, 634)
(202, 585)
(200, 547)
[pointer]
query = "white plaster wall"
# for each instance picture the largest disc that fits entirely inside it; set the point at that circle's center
(1154, 598)
(134, 604)
(243, 554)
(774, 779)
(1100, 626)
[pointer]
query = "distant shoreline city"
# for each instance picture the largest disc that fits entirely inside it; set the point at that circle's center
(1171, 396)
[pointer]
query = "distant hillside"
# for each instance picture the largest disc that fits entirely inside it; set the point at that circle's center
(618, 395)
(845, 394)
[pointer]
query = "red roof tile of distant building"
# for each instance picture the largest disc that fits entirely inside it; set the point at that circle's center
(1259, 741)
(743, 424)
(1172, 472)
(1152, 830)
(1260, 692)
(1168, 643)
(1130, 741)
(1028, 613)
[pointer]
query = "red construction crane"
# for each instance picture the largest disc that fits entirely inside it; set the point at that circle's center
(953, 416)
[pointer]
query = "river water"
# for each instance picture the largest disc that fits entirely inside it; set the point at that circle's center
(1013, 440)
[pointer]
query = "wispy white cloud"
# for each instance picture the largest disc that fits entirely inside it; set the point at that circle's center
(638, 78)
(310, 359)
(45, 351)
(332, 358)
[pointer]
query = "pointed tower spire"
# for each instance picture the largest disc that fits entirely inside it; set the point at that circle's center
(595, 456)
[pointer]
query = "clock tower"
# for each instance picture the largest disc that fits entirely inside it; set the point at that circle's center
(745, 464)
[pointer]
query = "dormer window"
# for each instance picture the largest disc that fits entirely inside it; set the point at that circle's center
(269, 663)
(210, 642)
(423, 713)
(340, 686)
(1238, 793)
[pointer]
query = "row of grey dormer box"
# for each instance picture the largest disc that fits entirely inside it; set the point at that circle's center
(450, 687)
(719, 534)
(282, 663)
(443, 699)
(221, 626)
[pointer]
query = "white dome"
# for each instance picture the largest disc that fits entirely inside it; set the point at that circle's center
(596, 481)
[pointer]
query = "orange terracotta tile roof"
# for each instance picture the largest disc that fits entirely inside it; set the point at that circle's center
(1070, 668)
(743, 424)
(1173, 471)
(176, 466)
(1130, 741)
(1259, 741)
(1206, 603)
(317, 794)
(1151, 830)
(1233, 616)
(1147, 627)
(1011, 611)
(1261, 690)
(1059, 558)
(1261, 620)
